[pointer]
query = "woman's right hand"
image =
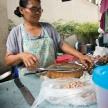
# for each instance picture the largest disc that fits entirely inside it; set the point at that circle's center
(30, 61)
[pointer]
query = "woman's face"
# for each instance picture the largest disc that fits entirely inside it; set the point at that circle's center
(32, 12)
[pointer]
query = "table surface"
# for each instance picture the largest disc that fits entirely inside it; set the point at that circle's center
(11, 97)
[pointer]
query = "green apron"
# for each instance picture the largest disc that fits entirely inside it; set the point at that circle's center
(42, 48)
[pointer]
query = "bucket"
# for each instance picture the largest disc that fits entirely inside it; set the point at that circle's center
(100, 78)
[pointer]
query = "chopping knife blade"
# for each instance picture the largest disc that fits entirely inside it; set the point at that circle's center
(40, 70)
(26, 93)
(47, 69)
(53, 69)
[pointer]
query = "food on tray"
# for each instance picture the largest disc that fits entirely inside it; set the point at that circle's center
(73, 70)
(90, 68)
(103, 60)
(75, 84)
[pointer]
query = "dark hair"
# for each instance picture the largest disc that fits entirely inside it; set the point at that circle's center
(22, 3)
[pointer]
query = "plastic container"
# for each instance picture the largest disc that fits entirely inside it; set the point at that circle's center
(89, 48)
(96, 65)
(65, 58)
(100, 78)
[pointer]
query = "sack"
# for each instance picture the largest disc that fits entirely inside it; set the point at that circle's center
(53, 91)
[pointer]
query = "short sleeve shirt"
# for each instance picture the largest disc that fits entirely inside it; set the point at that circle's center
(14, 40)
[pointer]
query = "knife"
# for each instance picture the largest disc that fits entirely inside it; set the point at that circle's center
(53, 69)
(26, 93)
(40, 70)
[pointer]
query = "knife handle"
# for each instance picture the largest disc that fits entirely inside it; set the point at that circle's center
(18, 83)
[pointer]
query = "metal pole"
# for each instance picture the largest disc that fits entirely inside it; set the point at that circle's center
(99, 10)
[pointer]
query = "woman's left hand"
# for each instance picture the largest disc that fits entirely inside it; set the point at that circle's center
(85, 59)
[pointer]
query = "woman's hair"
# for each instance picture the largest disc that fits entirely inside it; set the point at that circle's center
(22, 3)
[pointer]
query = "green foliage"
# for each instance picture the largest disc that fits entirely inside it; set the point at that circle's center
(88, 31)
(66, 29)
(11, 24)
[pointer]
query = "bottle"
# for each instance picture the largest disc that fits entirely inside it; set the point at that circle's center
(16, 75)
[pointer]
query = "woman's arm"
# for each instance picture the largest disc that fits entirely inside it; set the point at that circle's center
(68, 49)
(12, 60)
(28, 59)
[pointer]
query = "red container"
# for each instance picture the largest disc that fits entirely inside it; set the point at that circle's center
(66, 58)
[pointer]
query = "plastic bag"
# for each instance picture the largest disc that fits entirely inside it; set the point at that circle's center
(52, 90)
(100, 50)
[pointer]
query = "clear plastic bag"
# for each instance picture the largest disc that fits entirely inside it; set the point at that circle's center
(52, 90)
(100, 50)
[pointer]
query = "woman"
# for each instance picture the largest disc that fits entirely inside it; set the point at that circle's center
(34, 44)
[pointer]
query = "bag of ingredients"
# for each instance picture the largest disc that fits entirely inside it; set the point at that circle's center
(68, 91)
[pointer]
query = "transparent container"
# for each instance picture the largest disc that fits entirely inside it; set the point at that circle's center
(102, 97)
(100, 78)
